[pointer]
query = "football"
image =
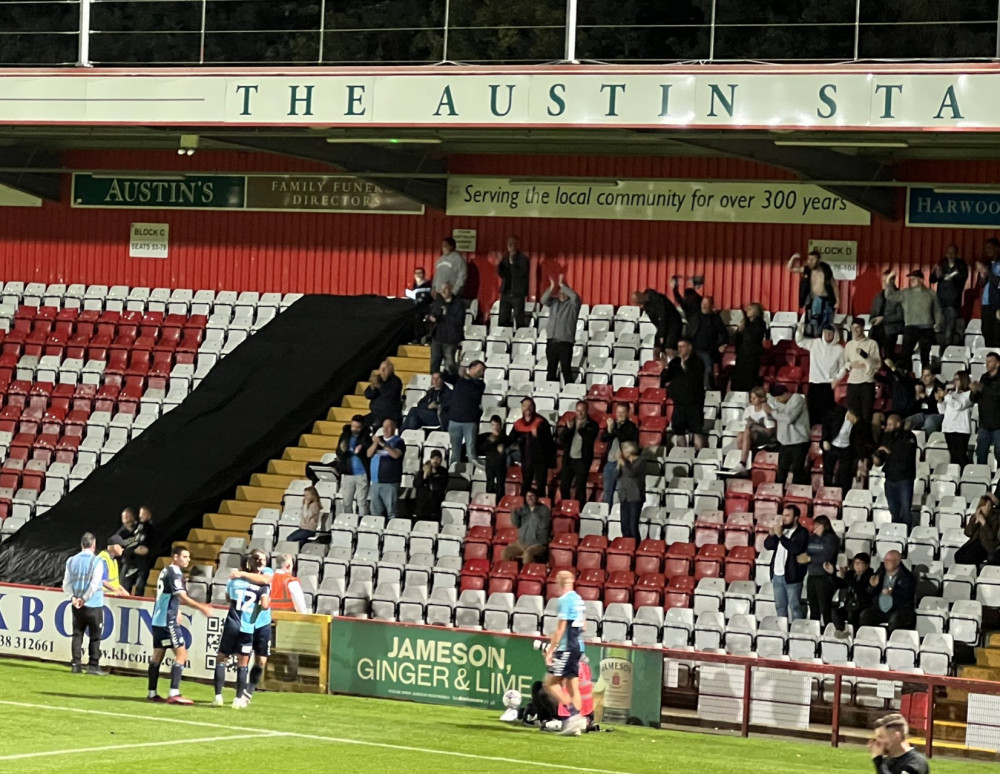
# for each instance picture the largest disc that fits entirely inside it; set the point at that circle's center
(512, 699)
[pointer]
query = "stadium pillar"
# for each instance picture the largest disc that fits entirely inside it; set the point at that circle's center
(571, 9)
(747, 697)
(83, 59)
(838, 688)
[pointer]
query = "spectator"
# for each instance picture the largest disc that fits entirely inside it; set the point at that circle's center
(431, 485)
(817, 293)
(466, 410)
(493, 448)
(951, 275)
(891, 752)
(309, 521)
(664, 317)
(385, 396)
(709, 337)
(986, 392)
(886, 321)
(856, 593)
(450, 269)
(447, 315)
(793, 432)
(128, 525)
(844, 440)
(988, 271)
(137, 559)
(420, 289)
(897, 454)
(564, 309)
(787, 540)
(895, 589)
(983, 531)
(353, 465)
(826, 364)
(821, 552)
(861, 363)
(617, 430)
(631, 488)
(690, 302)
(286, 589)
(534, 439)
(902, 387)
(684, 379)
(83, 582)
(921, 315)
(758, 429)
(432, 409)
(956, 407)
(577, 440)
(749, 341)
(926, 417)
(534, 530)
(386, 452)
(109, 557)
(514, 271)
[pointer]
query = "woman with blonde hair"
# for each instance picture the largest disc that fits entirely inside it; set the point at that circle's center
(309, 522)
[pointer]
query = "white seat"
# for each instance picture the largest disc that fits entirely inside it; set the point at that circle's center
(936, 654)
(902, 650)
(965, 621)
(869, 644)
(617, 623)
(469, 609)
(709, 628)
(741, 632)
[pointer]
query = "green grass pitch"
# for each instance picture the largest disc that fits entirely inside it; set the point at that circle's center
(54, 721)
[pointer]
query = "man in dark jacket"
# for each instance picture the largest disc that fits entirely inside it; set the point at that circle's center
(986, 393)
(665, 319)
(466, 409)
(844, 438)
(684, 378)
(894, 595)
(385, 395)
(577, 440)
(887, 324)
(447, 315)
(988, 272)
(690, 300)
(788, 539)
(856, 592)
(432, 410)
(617, 430)
(353, 465)
(897, 454)
(709, 336)
(950, 275)
(514, 271)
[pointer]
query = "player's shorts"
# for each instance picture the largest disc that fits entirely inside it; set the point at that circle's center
(687, 419)
(262, 641)
(168, 636)
(565, 663)
(235, 642)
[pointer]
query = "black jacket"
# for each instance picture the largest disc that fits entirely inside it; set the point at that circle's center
(900, 462)
(857, 591)
(627, 431)
(385, 401)
(950, 282)
(860, 437)
(707, 332)
(588, 434)
(690, 302)
(449, 319)
(514, 273)
(795, 544)
(466, 398)
(441, 397)
(664, 316)
(750, 341)
(904, 390)
(685, 382)
(344, 450)
(988, 399)
(891, 312)
(903, 590)
(430, 491)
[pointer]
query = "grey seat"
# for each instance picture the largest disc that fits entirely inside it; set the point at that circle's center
(527, 616)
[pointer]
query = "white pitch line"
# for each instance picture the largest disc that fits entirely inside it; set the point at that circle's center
(111, 747)
(317, 738)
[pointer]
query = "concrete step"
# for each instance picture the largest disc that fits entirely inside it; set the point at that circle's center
(415, 351)
(315, 441)
(410, 364)
(260, 494)
(243, 507)
(340, 416)
(228, 522)
(993, 640)
(988, 657)
(329, 426)
(294, 468)
(359, 402)
(204, 553)
(979, 673)
(219, 536)
(949, 731)
(360, 387)
(272, 480)
(302, 454)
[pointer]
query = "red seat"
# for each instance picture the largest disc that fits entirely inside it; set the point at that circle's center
(477, 543)
(649, 374)
(107, 323)
(590, 553)
(618, 587)
(169, 339)
(10, 474)
(679, 592)
(651, 430)
(9, 417)
(107, 397)
(143, 344)
(629, 396)
(502, 577)
(53, 420)
(39, 395)
(651, 402)
(62, 396)
(566, 517)
(17, 393)
(531, 579)
(648, 590)
(679, 559)
(34, 343)
(552, 589)
(506, 505)
(86, 322)
(764, 468)
(739, 495)
(599, 398)
(620, 555)
(738, 530)
(708, 562)
(123, 341)
(590, 584)
(67, 447)
(829, 500)
(76, 346)
(768, 498)
(707, 528)
(473, 574)
(83, 397)
(97, 349)
(502, 538)
(31, 420)
(55, 345)
(175, 321)
(562, 549)
(649, 557)
(13, 343)
(151, 324)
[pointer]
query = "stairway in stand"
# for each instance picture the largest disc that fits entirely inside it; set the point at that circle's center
(266, 490)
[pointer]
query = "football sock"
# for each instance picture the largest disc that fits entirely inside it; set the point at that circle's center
(154, 677)
(175, 679)
(220, 677)
(255, 675)
(241, 681)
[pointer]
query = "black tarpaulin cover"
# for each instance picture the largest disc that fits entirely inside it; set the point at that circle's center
(252, 404)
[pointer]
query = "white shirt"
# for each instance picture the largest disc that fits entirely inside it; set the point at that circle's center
(870, 364)
(826, 361)
(957, 411)
(758, 416)
(843, 439)
(781, 554)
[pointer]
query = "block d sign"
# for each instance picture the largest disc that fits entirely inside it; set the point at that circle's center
(149, 240)
(841, 255)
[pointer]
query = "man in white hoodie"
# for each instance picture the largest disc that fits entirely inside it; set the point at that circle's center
(861, 363)
(826, 363)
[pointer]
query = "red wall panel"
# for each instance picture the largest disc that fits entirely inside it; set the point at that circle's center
(311, 252)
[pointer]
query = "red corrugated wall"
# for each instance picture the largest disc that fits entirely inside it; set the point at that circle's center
(603, 260)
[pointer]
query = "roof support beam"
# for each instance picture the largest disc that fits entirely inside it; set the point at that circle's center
(357, 159)
(44, 185)
(818, 164)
